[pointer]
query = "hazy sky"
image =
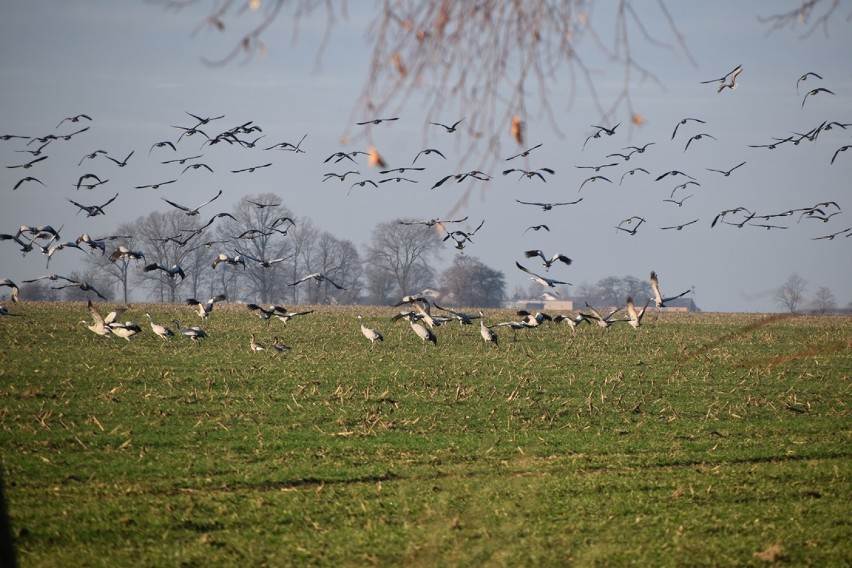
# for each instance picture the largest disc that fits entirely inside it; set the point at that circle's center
(136, 69)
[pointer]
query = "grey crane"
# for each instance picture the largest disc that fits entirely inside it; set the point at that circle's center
(548, 261)
(193, 332)
(159, 330)
(486, 332)
(370, 333)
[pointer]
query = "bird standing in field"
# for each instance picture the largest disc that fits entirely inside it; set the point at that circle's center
(255, 346)
(422, 332)
(160, 330)
(370, 334)
(486, 332)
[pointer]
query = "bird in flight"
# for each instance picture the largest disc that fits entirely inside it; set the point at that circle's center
(377, 121)
(30, 178)
(549, 282)
(721, 80)
(251, 169)
(548, 261)
(815, 92)
(196, 166)
(530, 173)
(680, 227)
(726, 173)
(193, 211)
(537, 228)
(121, 163)
(684, 121)
(659, 300)
(427, 152)
(548, 206)
(841, 149)
(805, 77)
(592, 179)
(29, 164)
(697, 137)
(93, 210)
(319, 277)
(449, 129)
(74, 119)
(525, 153)
(154, 185)
(633, 172)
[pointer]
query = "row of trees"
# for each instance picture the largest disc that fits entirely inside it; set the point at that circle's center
(276, 249)
(791, 295)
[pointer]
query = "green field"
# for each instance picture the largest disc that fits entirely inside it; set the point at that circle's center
(698, 440)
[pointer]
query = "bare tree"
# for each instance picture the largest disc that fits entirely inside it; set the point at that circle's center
(789, 294)
(469, 282)
(160, 236)
(262, 233)
(118, 272)
(403, 252)
(39, 290)
(824, 300)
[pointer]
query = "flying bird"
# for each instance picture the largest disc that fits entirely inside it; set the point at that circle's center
(120, 163)
(721, 80)
(319, 277)
(427, 152)
(684, 121)
(548, 261)
(155, 185)
(659, 300)
(530, 173)
(93, 210)
(525, 153)
(815, 92)
(30, 178)
(680, 227)
(251, 169)
(196, 166)
(537, 228)
(805, 77)
(377, 121)
(175, 270)
(592, 179)
(841, 149)
(549, 282)
(726, 173)
(162, 144)
(633, 172)
(697, 137)
(449, 129)
(29, 164)
(194, 211)
(548, 206)
(75, 118)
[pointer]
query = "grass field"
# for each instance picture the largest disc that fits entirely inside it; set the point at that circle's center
(700, 440)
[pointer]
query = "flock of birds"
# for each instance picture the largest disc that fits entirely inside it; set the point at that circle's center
(423, 317)
(47, 239)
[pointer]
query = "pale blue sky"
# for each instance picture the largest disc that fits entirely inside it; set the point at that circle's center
(135, 69)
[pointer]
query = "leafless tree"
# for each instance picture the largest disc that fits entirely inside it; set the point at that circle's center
(339, 260)
(469, 282)
(118, 272)
(403, 252)
(259, 233)
(812, 14)
(158, 234)
(789, 294)
(824, 300)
